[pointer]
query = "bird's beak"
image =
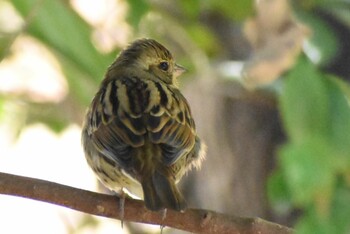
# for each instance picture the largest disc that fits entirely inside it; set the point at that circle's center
(178, 70)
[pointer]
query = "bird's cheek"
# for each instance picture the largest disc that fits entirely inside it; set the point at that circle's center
(175, 82)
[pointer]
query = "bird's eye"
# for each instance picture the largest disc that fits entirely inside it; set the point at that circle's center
(164, 66)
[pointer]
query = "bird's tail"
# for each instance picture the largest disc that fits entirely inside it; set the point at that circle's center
(161, 192)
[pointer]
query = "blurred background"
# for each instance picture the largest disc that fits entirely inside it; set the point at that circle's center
(268, 84)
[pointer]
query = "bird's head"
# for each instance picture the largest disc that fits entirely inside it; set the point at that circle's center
(152, 57)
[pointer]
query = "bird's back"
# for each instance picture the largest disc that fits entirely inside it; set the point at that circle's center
(144, 127)
(139, 131)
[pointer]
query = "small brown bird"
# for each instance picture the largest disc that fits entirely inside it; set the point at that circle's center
(138, 133)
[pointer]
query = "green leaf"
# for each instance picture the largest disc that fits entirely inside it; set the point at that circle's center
(340, 215)
(304, 102)
(60, 28)
(137, 9)
(2, 109)
(5, 42)
(343, 86)
(337, 221)
(278, 192)
(309, 169)
(191, 8)
(236, 10)
(323, 44)
(311, 222)
(340, 10)
(203, 38)
(340, 120)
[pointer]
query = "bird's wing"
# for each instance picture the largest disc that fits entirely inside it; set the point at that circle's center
(128, 111)
(170, 124)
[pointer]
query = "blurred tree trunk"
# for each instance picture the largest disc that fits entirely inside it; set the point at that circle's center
(242, 131)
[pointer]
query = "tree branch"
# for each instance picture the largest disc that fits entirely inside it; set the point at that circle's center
(193, 220)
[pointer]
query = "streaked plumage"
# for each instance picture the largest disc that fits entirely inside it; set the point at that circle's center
(138, 133)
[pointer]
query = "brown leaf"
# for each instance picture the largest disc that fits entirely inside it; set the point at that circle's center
(276, 38)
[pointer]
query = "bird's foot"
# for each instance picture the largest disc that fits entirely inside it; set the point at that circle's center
(162, 226)
(122, 195)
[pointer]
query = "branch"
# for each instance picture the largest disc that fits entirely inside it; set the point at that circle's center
(193, 220)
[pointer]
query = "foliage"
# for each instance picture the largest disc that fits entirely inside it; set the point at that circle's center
(66, 34)
(315, 162)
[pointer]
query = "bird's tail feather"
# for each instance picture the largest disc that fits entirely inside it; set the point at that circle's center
(161, 192)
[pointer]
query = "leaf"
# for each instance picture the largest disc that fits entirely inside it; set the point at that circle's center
(236, 10)
(304, 102)
(60, 28)
(336, 222)
(137, 9)
(343, 86)
(309, 169)
(57, 25)
(278, 192)
(340, 215)
(203, 37)
(190, 8)
(5, 42)
(323, 45)
(311, 222)
(2, 107)
(340, 122)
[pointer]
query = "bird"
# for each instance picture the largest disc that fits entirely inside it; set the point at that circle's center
(138, 134)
